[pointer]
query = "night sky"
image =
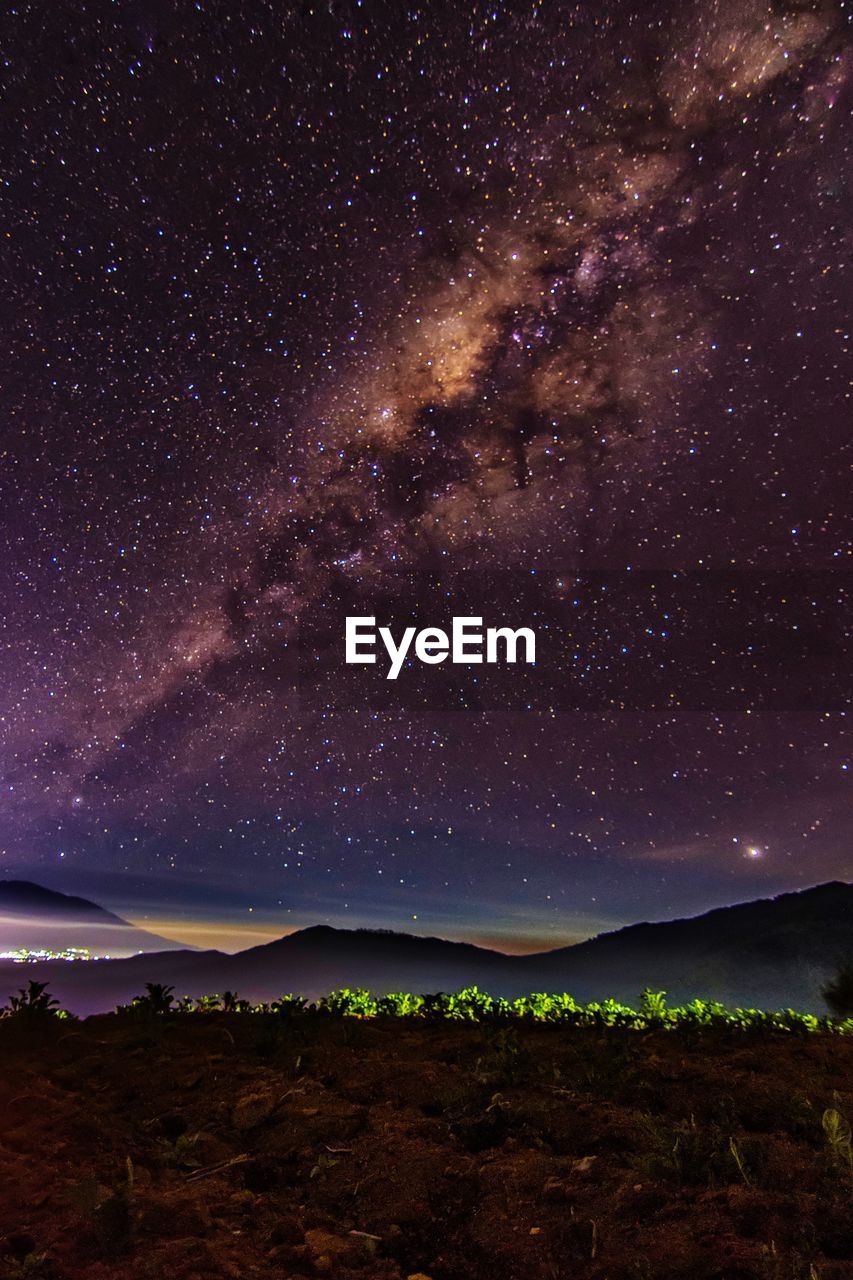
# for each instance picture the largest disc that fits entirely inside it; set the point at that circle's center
(370, 307)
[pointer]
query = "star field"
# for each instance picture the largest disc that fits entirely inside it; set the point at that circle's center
(364, 307)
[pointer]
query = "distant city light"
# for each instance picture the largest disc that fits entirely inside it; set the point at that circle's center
(26, 955)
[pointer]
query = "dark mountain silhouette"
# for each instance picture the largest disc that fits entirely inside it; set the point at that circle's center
(34, 918)
(321, 958)
(23, 897)
(772, 953)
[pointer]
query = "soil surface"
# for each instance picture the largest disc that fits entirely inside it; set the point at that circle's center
(213, 1145)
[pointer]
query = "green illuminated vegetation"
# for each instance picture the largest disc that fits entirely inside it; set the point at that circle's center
(468, 1005)
(472, 1005)
(836, 1130)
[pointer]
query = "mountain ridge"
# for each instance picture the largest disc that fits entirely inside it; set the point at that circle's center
(770, 952)
(35, 918)
(27, 893)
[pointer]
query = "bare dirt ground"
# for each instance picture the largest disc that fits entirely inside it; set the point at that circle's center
(207, 1146)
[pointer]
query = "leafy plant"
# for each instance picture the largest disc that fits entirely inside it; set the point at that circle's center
(158, 999)
(324, 1162)
(653, 1006)
(690, 1154)
(33, 1001)
(356, 1003)
(836, 1131)
(180, 1153)
(399, 1004)
(288, 1006)
(208, 1004)
(734, 1152)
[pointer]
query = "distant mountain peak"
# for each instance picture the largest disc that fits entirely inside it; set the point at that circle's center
(365, 939)
(24, 896)
(34, 918)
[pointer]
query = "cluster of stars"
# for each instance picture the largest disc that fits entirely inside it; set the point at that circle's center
(340, 308)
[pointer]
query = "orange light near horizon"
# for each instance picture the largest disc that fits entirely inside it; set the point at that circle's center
(212, 935)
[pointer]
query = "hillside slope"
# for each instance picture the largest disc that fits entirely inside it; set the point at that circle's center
(34, 918)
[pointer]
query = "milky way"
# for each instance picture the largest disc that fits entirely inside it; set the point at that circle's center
(317, 309)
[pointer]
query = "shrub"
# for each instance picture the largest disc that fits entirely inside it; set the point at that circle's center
(653, 1006)
(33, 1001)
(399, 1004)
(158, 999)
(356, 1003)
(208, 1004)
(836, 1131)
(287, 1006)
